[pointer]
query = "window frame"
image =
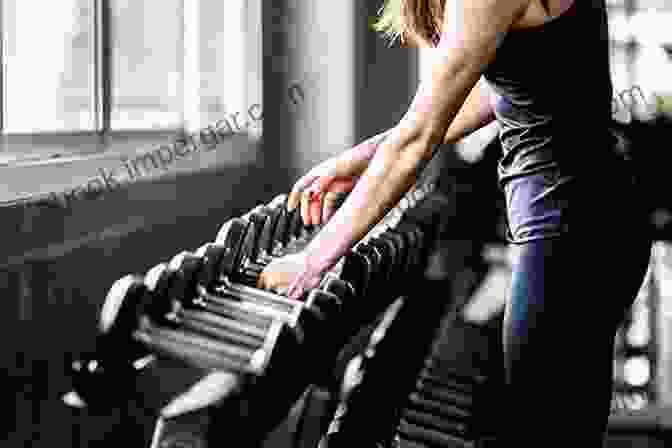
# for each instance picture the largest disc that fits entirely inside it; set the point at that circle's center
(102, 137)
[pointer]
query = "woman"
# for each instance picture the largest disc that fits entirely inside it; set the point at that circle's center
(540, 68)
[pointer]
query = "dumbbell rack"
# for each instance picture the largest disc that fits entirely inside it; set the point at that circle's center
(446, 401)
(185, 309)
(455, 395)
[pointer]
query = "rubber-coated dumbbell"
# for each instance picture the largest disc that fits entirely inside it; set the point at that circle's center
(178, 286)
(173, 303)
(180, 282)
(117, 357)
(212, 279)
(203, 348)
(201, 337)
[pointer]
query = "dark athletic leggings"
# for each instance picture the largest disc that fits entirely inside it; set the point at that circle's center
(568, 295)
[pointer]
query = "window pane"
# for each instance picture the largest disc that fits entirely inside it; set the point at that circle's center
(213, 54)
(619, 67)
(146, 64)
(217, 44)
(49, 65)
(653, 69)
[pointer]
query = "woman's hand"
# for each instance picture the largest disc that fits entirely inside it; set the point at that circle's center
(292, 275)
(322, 189)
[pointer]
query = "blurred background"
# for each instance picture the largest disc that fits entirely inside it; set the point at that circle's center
(86, 85)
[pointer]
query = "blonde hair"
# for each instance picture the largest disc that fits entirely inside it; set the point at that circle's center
(417, 22)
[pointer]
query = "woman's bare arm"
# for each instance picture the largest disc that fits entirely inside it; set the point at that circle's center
(473, 29)
(357, 158)
(475, 113)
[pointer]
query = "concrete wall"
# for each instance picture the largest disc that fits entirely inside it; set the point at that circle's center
(56, 264)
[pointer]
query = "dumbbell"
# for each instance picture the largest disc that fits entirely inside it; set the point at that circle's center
(354, 388)
(218, 302)
(181, 281)
(415, 238)
(243, 240)
(212, 283)
(118, 357)
(202, 345)
(289, 234)
(237, 263)
(403, 250)
(178, 287)
(173, 306)
(280, 230)
(242, 342)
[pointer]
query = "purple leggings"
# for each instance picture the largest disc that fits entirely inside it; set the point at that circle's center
(574, 276)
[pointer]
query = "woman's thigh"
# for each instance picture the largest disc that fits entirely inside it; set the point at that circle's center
(570, 289)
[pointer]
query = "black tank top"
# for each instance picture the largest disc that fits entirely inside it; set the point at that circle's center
(554, 88)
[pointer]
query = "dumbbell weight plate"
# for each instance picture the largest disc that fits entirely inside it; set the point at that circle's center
(296, 224)
(187, 266)
(277, 201)
(212, 257)
(200, 252)
(223, 230)
(266, 239)
(328, 304)
(374, 258)
(409, 233)
(385, 265)
(116, 350)
(281, 231)
(256, 209)
(233, 242)
(400, 245)
(357, 271)
(119, 314)
(258, 223)
(160, 307)
(339, 287)
(432, 422)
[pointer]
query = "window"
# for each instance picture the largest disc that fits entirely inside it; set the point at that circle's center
(99, 67)
(48, 61)
(639, 33)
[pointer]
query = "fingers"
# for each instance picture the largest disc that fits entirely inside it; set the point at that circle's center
(336, 184)
(261, 281)
(270, 282)
(331, 202)
(313, 194)
(294, 197)
(335, 193)
(305, 205)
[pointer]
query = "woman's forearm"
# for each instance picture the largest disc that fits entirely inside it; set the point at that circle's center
(475, 113)
(389, 176)
(357, 158)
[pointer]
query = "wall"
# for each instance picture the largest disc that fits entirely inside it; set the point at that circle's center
(56, 265)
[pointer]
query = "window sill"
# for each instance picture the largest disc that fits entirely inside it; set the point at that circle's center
(211, 185)
(41, 167)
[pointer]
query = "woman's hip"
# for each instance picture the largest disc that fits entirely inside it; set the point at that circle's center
(605, 203)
